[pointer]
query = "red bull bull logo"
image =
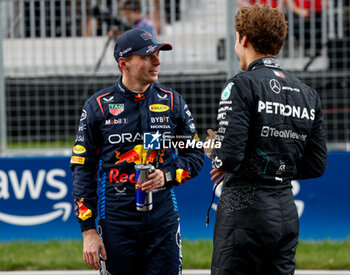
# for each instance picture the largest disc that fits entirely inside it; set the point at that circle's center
(138, 186)
(81, 211)
(137, 155)
(139, 97)
(133, 155)
(182, 175)
(153, 155)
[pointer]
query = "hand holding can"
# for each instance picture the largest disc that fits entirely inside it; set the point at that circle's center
(144, 200)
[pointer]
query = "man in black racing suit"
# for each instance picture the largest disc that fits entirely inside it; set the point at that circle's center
(270, 127)
(114, 123)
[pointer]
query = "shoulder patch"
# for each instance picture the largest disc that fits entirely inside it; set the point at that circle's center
(227, 91)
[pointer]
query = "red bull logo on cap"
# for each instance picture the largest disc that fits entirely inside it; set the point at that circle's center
(146, 36)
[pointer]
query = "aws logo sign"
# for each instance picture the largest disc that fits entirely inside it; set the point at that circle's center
(21, 190)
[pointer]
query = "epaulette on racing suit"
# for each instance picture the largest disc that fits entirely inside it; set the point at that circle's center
(109, 144)
(270, 127)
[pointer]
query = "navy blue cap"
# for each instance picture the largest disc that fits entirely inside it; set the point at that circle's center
(137, 41)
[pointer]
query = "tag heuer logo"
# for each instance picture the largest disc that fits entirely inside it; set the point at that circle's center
(116, 109)
(158, 108)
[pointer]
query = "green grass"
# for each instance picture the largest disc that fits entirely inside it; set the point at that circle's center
(41, 255)
(196, 254)
(40, 144)
(323, 255)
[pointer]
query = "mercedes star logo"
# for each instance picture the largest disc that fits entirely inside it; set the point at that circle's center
(275, 86)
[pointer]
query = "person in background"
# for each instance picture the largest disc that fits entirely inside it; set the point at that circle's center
(307, 23)
(131, 11)
(271, 132)
(247, 3)
(129, 17)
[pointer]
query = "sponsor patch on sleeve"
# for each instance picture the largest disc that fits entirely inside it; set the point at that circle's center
(79, 149)
(227, 91)
(77, 160)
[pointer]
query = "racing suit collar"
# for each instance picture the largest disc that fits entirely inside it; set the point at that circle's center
(269, 61)
(130, 94)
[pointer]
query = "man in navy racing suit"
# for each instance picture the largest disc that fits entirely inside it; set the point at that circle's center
(114, 123)
(270, 128)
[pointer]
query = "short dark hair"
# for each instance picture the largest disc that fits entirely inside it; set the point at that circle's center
(265, 28)
(133, 5)
(128, 58)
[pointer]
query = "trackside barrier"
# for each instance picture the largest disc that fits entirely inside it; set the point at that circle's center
(36, 201)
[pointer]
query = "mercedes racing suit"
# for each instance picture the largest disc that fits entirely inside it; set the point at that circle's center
(113, 126)
(270, 126)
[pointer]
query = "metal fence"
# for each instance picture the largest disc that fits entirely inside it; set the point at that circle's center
(56, 53)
